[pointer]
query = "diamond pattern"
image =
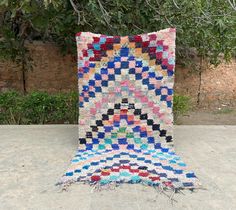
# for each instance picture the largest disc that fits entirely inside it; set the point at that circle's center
(125, 112)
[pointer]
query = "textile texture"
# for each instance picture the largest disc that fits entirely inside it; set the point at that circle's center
(125, 112)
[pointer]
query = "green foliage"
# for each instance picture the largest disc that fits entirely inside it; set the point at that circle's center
(45, 108)
(181, 105)
(205, 28)
(10, 108)
(38, 108)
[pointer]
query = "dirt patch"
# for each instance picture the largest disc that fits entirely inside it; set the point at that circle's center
(220, 116)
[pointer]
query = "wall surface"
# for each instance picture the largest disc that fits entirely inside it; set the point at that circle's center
(218, 85)
(53, 72)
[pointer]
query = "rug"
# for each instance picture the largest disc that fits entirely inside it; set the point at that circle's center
(125, 112)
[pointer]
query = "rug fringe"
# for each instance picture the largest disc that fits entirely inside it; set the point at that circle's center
(162, 188)
(98, 187)
(64, 185)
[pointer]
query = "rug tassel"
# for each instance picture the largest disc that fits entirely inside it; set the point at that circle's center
(65, 185)
(98, 187)
(163, 190)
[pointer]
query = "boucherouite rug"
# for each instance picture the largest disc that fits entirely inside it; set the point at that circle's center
(125, 112)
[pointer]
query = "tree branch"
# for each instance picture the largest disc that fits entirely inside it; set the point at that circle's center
(104, 12)
(76, 10)
(232, 4)
(155, 9)
(175, 4)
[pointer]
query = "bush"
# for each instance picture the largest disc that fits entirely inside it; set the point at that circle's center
(38, 108)
(10, 107)
(181, 105)
(45, 108)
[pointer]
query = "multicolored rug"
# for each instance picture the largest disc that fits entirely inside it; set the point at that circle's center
(125, 112)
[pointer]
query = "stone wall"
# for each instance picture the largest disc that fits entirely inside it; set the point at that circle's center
(53, 72)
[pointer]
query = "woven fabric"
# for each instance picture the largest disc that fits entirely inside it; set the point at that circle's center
(125, 112)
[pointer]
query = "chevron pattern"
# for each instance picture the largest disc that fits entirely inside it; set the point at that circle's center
(125, 112)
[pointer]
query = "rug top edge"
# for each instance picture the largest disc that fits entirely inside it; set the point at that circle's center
(86, 33)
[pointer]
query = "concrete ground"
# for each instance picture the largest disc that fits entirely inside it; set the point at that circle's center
(32, 159)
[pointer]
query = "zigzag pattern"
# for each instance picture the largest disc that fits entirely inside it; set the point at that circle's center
(137, 129)
(125, 112)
